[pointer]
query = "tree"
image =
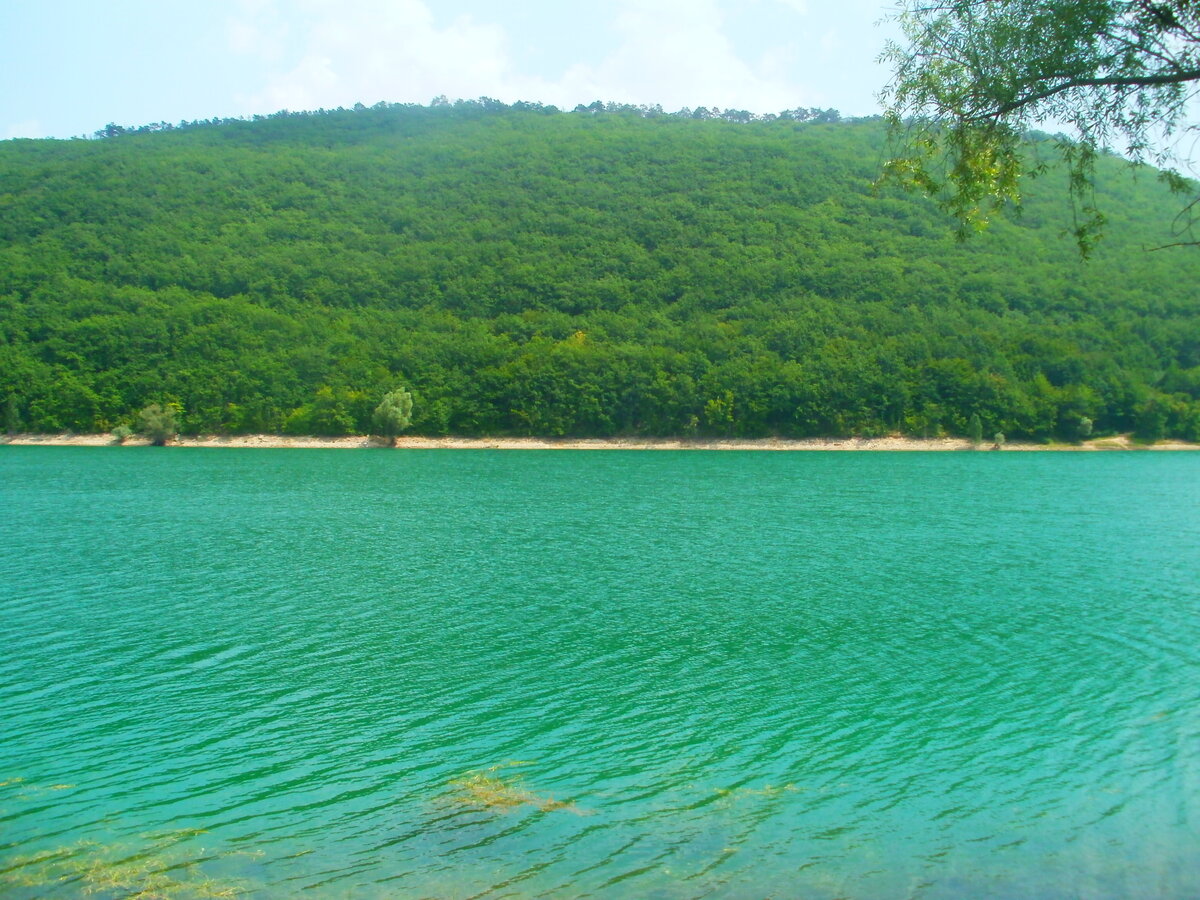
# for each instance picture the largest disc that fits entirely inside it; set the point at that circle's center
(325, 415)
(12, 415)
(975, 430)
(1151, 422)
(976, 74)
(158, 423)
(394, 414)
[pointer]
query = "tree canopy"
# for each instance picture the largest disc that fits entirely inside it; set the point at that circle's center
(393, 414)
(607, 271)
(157, 423)
(975, 75)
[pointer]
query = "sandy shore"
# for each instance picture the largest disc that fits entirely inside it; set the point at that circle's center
(267, 441)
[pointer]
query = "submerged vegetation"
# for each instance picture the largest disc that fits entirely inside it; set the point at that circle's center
(767, 790)
(163, 865)
(157, 868)
(490, 790)
(611, 271)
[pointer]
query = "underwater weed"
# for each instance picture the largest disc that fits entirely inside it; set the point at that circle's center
(488, 790)
(767, 790)
(142, 872)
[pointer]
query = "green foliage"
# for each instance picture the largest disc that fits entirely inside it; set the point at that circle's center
(332, 412)
(607, 272)
(158, 423)
(393, 414)
(975, 429)
(1151, 422)
(973, 76)
(719, 414)
(122, 433)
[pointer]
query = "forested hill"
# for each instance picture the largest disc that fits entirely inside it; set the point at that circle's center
(526, 271)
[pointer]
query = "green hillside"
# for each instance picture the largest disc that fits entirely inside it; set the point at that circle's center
(527, 271)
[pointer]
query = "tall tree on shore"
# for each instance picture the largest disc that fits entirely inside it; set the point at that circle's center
(394, 414)
(158, 423)
(975, 430)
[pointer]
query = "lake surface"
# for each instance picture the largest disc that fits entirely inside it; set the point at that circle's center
(610, 674)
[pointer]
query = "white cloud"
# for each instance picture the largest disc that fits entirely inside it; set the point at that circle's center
(328, 53)
(259, 30)
(348, 51)
(676, 53)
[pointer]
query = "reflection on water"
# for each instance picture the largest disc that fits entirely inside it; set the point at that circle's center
(454, 674)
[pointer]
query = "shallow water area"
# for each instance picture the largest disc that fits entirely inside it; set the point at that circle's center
(525, 674)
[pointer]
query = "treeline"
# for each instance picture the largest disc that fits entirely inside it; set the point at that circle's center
(607, 271)
(489, 105)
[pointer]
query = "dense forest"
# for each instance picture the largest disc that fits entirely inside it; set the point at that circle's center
(607, 271)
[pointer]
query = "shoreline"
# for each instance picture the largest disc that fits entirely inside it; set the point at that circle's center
(891, 443)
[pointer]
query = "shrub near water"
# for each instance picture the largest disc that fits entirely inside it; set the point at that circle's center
(393, 414)
(158, 424)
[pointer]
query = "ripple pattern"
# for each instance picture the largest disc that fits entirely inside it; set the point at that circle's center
(716, 675)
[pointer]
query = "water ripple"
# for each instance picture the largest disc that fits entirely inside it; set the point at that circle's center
(725, 675)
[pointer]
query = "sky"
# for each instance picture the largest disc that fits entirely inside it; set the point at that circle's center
(69, 67)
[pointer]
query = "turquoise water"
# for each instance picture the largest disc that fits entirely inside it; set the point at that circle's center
(822, 675)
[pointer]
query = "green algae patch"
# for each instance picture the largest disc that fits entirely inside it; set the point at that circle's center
(768, 790)
(488, 789)
(28, 790)
(157, 868)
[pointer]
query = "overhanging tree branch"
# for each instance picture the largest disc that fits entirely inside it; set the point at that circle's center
(1146, 81)
(976, 73)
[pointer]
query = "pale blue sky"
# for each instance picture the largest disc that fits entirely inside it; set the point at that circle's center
(69, 67)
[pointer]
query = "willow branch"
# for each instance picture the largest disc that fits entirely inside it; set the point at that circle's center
(1147, 81)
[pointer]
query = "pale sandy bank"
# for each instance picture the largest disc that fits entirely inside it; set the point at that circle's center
(1121, 442)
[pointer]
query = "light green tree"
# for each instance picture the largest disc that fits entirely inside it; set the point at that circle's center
(974, 75)
(158, 423)
(393, 414)
(975, 430)
(718, 413)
